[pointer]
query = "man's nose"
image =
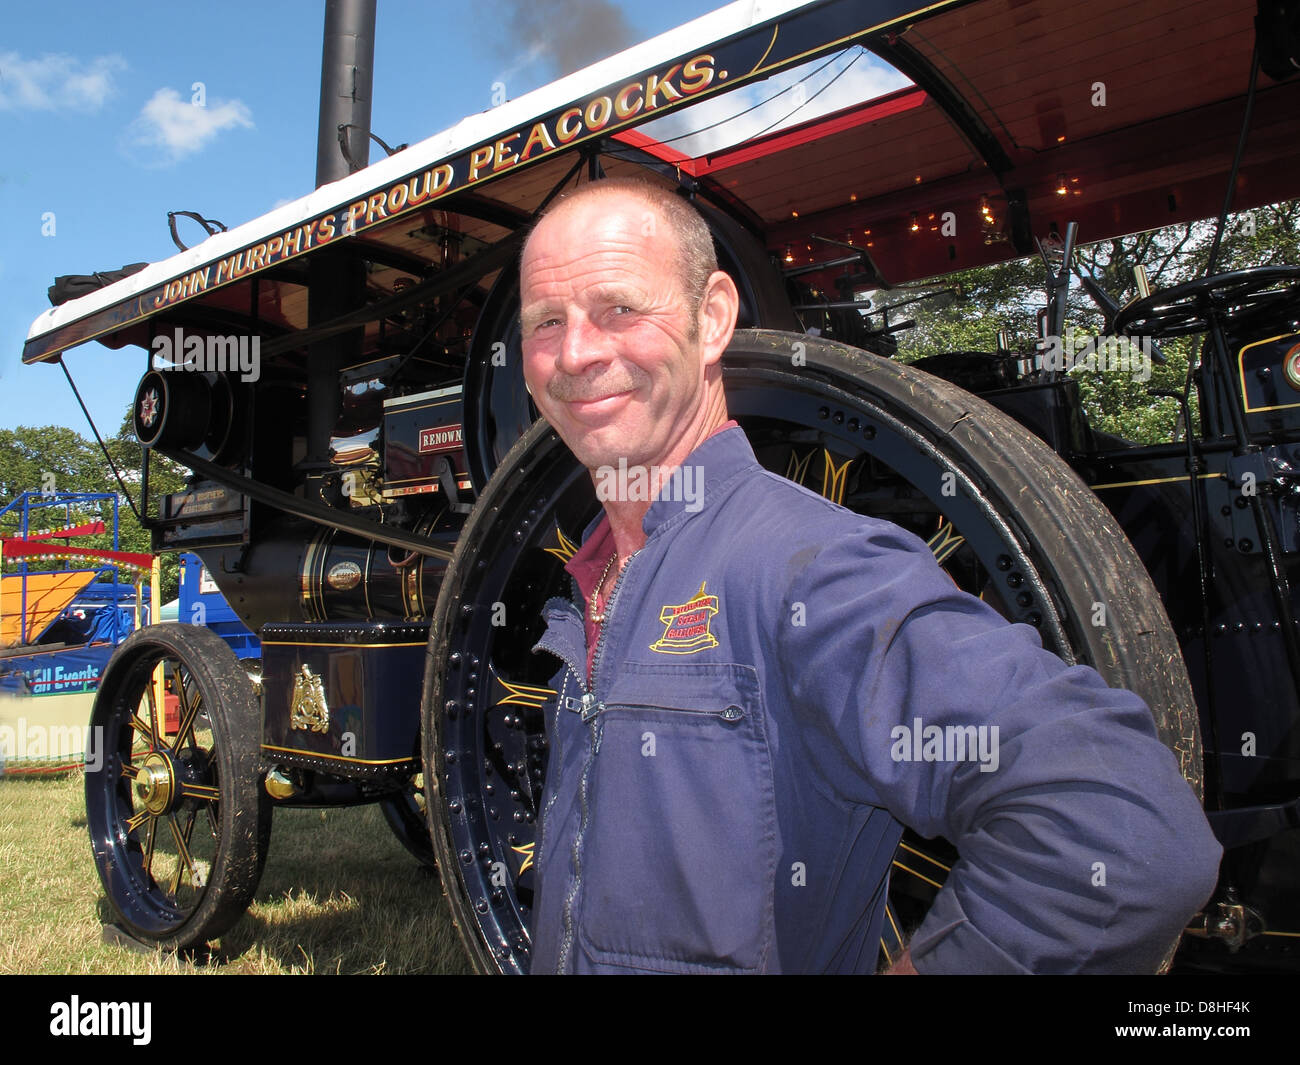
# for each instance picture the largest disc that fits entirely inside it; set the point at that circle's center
(584, 343)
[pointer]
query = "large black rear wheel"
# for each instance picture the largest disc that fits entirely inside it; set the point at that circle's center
(1008, 520)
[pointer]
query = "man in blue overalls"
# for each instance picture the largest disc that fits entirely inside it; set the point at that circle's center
(726, 784)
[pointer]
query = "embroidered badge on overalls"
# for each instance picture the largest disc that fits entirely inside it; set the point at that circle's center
(687, 625)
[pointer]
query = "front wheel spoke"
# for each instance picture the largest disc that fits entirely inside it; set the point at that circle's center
(136, 820)
(184, 861)
(148, 847)
(206, 792)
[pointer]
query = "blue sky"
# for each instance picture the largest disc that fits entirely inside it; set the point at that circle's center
(99, 138)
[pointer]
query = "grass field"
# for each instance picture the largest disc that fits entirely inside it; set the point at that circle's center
(339, 895)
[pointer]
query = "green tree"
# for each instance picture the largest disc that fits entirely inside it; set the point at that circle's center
(54, 458)
(45, 458)
(1008, 296)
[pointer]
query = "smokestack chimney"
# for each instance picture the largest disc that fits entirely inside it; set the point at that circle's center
(346, 77)
(336, 275)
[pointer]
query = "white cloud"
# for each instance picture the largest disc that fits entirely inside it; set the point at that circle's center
(178, 127)
(56, 82)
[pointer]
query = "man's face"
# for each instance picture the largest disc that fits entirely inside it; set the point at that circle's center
(611, 349)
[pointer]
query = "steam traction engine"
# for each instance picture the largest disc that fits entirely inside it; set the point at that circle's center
(375, 499)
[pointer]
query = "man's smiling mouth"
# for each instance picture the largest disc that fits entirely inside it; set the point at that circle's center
(599, 404)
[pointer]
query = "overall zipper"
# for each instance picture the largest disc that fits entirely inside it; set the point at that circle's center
(589, 708)
(555, 792)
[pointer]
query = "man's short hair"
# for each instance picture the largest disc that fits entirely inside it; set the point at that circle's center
(696, 258)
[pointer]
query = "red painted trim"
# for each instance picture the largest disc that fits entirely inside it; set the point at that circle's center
(23, 549)
(634, 138)
(895, 103)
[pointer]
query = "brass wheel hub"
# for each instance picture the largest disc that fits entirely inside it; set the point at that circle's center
(155, 783)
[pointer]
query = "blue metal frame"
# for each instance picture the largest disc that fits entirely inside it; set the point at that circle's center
(28, 502)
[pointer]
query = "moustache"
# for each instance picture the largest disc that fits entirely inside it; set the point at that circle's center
(565, 389)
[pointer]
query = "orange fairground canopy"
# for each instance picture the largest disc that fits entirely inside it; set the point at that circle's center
(48, 596)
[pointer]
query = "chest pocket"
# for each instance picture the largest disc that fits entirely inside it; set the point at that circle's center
(683, 842)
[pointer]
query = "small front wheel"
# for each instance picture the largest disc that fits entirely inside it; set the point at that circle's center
(179, 823)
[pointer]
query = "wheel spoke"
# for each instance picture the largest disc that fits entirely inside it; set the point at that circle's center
(183, 859)
(154, 733)
(150, 838)
(139, 725)
(925, 857)
(889, 916)
(136, 820)
(891, 930)
(920, 876)
(188, 712)
(206, 792)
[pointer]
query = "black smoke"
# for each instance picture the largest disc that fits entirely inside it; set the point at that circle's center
(565, 34)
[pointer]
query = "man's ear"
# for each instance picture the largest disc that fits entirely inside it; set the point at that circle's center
(717, 315)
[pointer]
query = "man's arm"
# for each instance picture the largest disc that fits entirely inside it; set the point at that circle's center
(1082, 848)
